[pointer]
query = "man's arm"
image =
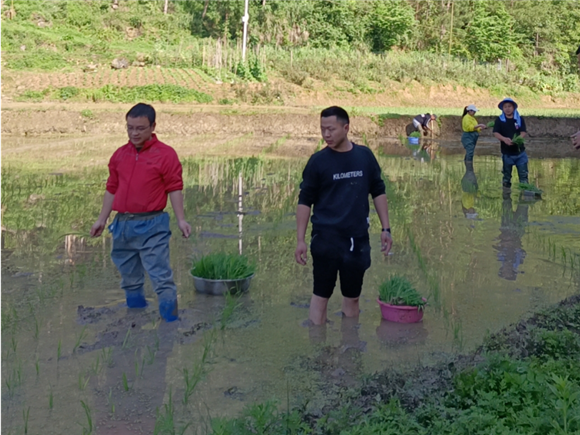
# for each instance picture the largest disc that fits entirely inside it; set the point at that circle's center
(99, 225)
(302, 217)
(382, 208)
(576, 140)
(176, 198)
(503, 139)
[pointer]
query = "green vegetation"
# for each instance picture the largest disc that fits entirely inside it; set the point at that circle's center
(398, 290)
(220, 265)
(530, 187)
(415, 134)
(366, 44)
(491, 123)
(518, 141)
(120, 94)
(523, 380)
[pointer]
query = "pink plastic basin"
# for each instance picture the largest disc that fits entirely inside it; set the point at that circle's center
(400, 313)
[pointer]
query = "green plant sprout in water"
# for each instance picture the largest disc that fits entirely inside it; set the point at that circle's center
(398, 290)
(530, 188)
(223, 266)
(415, 134)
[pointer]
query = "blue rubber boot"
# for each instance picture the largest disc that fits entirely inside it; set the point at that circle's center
(168, 310)
(136, 299)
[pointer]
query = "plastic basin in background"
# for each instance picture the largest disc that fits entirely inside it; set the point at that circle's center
(221, 286)
(413, 140)
(400, 313)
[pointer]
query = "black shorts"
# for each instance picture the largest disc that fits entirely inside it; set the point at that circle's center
(332, 254)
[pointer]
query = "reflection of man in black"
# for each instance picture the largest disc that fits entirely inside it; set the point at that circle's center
(513, 227)
(469, 187)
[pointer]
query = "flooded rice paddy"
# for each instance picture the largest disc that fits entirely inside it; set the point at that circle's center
(75, 360)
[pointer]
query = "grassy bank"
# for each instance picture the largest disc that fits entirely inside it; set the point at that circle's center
(71, 45)
(522, 380)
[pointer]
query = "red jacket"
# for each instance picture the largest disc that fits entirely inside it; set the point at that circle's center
(141, 180)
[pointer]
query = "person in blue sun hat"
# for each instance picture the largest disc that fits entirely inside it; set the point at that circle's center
(507, 126)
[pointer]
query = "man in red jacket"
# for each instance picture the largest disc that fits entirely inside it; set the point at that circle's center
(142, 174)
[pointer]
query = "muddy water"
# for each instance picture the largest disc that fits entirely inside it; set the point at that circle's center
(74, 359)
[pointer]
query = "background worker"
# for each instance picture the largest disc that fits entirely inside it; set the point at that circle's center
(423, 122)
(471, 129)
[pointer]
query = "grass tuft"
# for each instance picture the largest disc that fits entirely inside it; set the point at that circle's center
(220, 265)
(398, 290)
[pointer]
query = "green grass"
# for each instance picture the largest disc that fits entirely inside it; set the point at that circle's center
(220, 265)
(415, 134)
(530, 187)
(398, 290)
(119, 94)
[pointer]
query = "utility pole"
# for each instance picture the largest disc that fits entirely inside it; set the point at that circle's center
(451, 30)
(245, 20)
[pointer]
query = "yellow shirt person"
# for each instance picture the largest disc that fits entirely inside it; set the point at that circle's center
(471, 131)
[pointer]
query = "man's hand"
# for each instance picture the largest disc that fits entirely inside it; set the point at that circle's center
(386, 242)
(97, 228)
(301, 253)
(185, 228)
(507, 141)
(576, 140)
(481, 126)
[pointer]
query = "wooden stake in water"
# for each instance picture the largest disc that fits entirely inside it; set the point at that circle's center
(240, 211)
(245, 20)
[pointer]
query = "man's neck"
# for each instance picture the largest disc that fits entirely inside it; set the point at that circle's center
(509, 116)
(344, 146)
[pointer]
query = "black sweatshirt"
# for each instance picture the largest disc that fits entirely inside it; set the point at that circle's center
(338, 185)
(509, 129)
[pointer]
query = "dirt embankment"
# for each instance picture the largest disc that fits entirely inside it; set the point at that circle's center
(72, 122)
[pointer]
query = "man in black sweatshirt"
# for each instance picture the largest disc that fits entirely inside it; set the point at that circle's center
(337, 181)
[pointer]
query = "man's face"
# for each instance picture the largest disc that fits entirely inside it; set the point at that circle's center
(508, 109)
(333, 131)
(139, 130)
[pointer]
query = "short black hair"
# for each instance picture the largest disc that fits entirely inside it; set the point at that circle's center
(142, 110)
(339, 112)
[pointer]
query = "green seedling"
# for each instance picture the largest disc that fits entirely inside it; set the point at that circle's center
(399, 291)
(58, 351)
(89, 429)
(25, 415)
(125, 382)
(491, 124)
(415, 134)
(518, 141)
(50, 400)
(220, 265)
(126, 340)
(81, 336)
(83, 381)
(232, 304)
(110, 400)
(37, 366)
(530, 188)
(107, 356)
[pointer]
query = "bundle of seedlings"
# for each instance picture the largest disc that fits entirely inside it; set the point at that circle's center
(220, 265)
(398, 290)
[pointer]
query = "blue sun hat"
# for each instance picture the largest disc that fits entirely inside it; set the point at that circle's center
(517, 117)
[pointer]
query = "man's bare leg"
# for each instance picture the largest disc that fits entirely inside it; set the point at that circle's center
(318, 306)
(350, 307)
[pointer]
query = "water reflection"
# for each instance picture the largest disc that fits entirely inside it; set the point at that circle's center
(470, 189)
(247, 205)
(510, 251)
